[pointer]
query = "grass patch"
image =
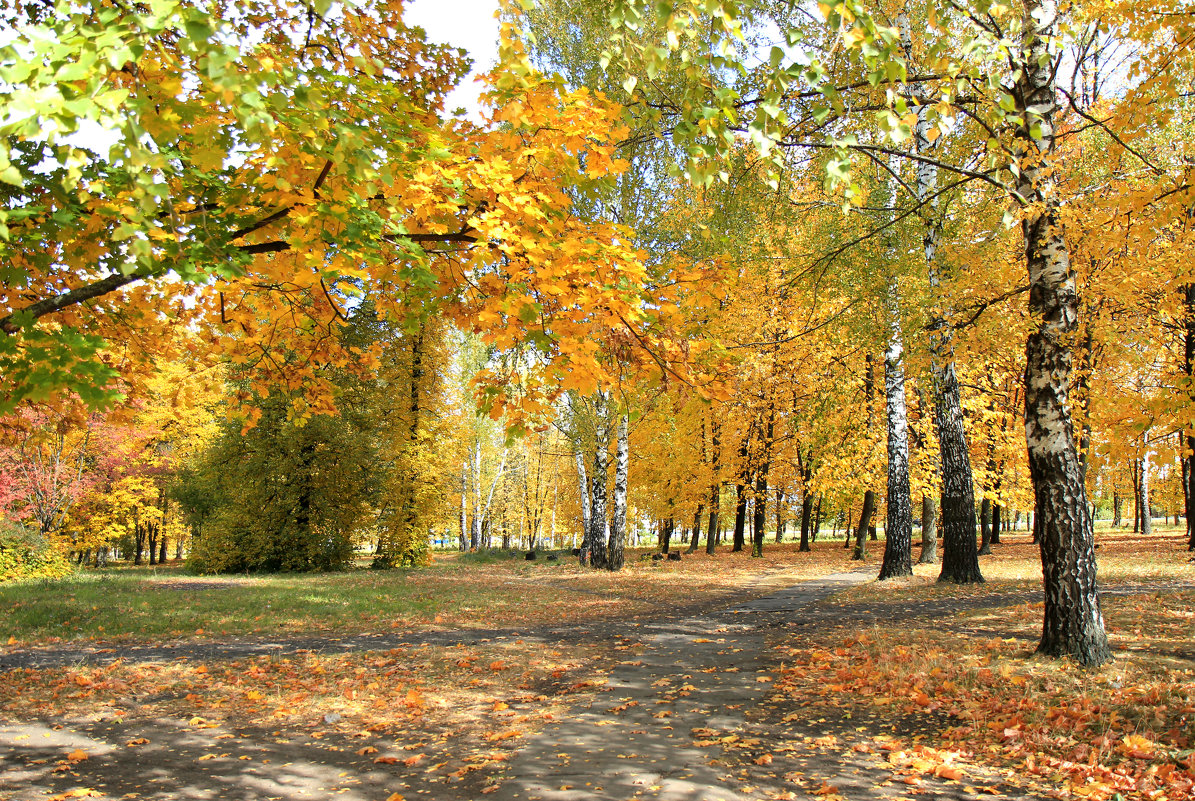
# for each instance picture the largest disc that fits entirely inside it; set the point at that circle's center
(457, 590)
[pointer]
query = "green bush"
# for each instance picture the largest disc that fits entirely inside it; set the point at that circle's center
(25, 554)
(282, 497)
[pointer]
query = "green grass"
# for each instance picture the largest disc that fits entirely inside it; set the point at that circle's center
(152, 604)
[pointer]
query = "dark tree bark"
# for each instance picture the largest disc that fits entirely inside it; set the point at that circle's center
(929, 531)
(1135, 472)
(960, 557)
(666, 535)
(985, 528)
(1189, 367)
(781, 520)
(740, 518)
(695, 540)
(806, 520)
(869, 500)
(997, 523)
(1073, 624)
(817, 520)
(759, 520)
(1144, 502)
(711, 535)
(1116, 510)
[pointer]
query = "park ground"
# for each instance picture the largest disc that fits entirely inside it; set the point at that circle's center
(456, 681)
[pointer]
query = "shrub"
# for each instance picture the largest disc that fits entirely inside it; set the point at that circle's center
(26, 554)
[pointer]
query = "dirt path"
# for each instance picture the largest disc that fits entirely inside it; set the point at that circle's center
(679, 717)
(677, 724)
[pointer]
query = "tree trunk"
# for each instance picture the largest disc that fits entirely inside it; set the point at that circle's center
(597, 485)
(1073, 624)
(806, 519)
(869, 500)
(960, 558)
(618, 525)
(1146, 513)
(475, 530)
(760, 521)
(817, 520)
(997, 523)
(781, 518)
(695, 540)
(711, 536)
(666, 535)
(898, 526)
(985, 529)
(740, 518)
(1116, 509)
(1189, 366)
(583, 482)
(929, 531)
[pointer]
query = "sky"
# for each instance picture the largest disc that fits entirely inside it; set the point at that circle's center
(465, 23)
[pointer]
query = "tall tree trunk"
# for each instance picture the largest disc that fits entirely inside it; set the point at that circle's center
(929, 531)
(597, 485)
(618, 526)
(138, 538)
(960, 558)
(997, 522)
(781, 518)
(1135, 473)
(817, 519)
(666, 534)
(464, 534)
(1073, 624)
(806, 519)
(583, 486)
(869, 500)
(475, 530)
(740, 518)
(1189, 367)
(1115, 509)
(695, 540)
(759, 522)
(898, 527)
(985, 529)
(1146, 513)
(711, 536)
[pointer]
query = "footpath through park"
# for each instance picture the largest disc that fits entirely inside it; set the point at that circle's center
(655, 730)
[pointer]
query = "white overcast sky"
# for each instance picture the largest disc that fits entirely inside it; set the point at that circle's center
(465, 23)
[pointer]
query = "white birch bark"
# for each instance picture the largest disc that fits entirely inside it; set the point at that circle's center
(1073, 624)
(618, 524)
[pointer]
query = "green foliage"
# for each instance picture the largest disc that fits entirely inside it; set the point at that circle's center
(25, 554)
(282, 497)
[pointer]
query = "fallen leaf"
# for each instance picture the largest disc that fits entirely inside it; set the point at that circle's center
(78, 755)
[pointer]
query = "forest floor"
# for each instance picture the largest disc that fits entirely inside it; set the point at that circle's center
(704, 679)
